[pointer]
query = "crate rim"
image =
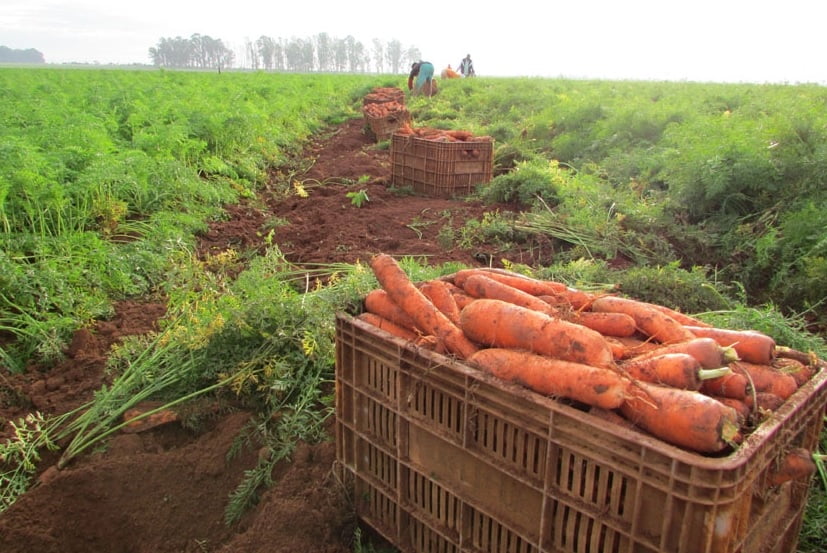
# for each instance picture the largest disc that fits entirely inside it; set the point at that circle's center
(735, 460)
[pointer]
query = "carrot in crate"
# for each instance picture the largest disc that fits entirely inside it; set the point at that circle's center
(554, 377)
(650, 320)
(707, 351)
(684, 418)
(733, 385)
(497, 323)
(750, 345)
(380, 303)
(427, 317)
(764, 378)
(481, 286)
(533, 286)
(440, 295)
(679, 370)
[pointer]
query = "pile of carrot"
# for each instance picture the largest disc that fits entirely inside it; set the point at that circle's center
(380, 95)
(384, 109)
(441, 135)
(673, 376)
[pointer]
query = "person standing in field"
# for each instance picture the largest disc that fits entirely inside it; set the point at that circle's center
(421, 78)
(466, 66)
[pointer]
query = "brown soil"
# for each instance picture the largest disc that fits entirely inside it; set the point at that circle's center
(166, 489)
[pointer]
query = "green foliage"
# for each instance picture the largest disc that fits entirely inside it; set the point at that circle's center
(528, 182)
(358, 198)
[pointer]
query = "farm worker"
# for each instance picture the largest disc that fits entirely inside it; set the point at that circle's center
(449, 73)
(466, 66)
(423, 72)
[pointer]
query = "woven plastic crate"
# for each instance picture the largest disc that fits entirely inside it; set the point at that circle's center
(441, 457)
(440, 169)
(384, 127)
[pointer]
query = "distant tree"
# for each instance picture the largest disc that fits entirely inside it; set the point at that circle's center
(378, 55)
(412, 55)
(9, 55)
(393, 55)
(267, 50)
(324, 52)
(198, 51)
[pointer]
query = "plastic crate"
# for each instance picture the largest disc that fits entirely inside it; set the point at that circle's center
(441, 457)
(440, 169)
(384, 127)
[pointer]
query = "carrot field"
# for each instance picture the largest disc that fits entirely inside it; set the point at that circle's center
(707, 198)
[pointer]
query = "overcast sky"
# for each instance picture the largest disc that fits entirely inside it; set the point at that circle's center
(703, 40)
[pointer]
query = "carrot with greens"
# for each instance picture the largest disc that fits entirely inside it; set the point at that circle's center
(733, 385)
(684, 418)
(481, 286)
(795, 368)
(649, 320)
(440, 295)
(501, 324)
(765, 378)
(427, 317)
(533, 286)
(554, 377)
(751, 345)
(679, 370)
(709, 353)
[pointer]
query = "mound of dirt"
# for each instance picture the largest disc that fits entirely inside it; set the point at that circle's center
(166, 489)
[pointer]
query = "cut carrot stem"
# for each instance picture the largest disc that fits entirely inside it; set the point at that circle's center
(684, 418)
(679, 370)
(424, 313)
(501, 324)
(750, 345)
(584, 383)
(649, 319)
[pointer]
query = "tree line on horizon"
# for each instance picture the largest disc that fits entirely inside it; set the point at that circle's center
(29, 55)
(320, 53)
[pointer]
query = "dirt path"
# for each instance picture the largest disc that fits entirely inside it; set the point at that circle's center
(165, 490)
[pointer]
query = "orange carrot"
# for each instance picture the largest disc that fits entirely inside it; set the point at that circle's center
(572, 297)
(481, 286)
(765, 378)
(797, 464)
(683, 318)
(437, 291)
(683, 418)
(733, 385)
(744, 411)
(750, 345)
(390, 327)
(707, 351)
(584, 383)
(679, 370)
(427, 317)
(380, 303)
(607, 324)
(533, 286)
(650, 320)
(497, 323)
(764, 401)
(795, 368)
(634, 346)
(617, 347)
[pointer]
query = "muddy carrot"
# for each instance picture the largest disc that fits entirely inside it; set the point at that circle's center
(709, 353)
(378, 302)
(733, 385)
(533, 286)
(584, 383)
(765, 378)
(795, 368)
(797, 464)
(438, 292)
(764, 401)
(481, 286)
(390, 327)
(750, 345)
(683, 418)
(607, 324)
(679, 370)
(634, 346)
(650, 320)
(427, 317)
(683, 318)
(572, 297)
(744, 411)
(497, 323)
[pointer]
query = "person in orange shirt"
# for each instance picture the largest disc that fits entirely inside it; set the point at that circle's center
(449, 73)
